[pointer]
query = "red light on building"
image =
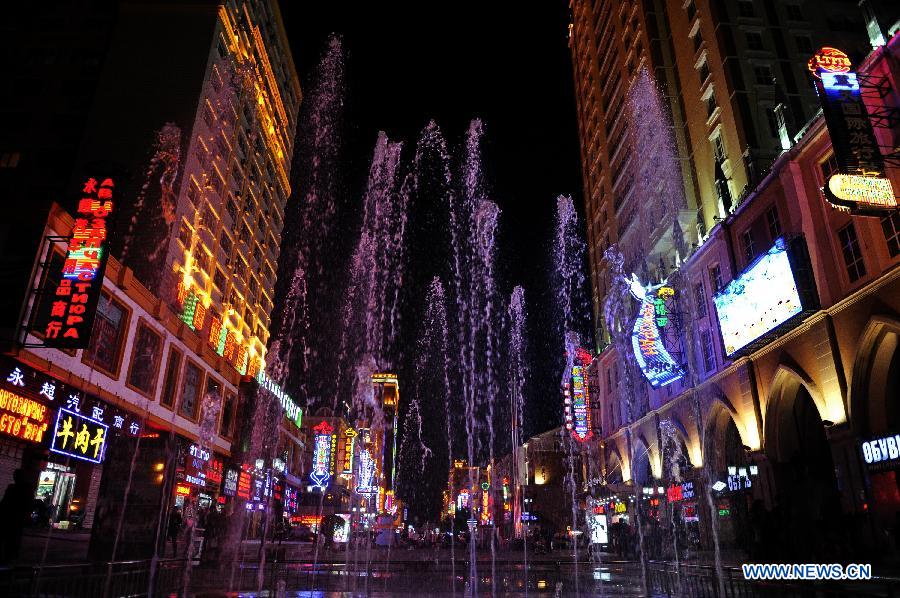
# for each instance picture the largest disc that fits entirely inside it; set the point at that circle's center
(23, 418)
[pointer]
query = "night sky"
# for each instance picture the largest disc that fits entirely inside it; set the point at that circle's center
(407, 64)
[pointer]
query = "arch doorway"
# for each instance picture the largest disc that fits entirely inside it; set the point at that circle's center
(807, 500)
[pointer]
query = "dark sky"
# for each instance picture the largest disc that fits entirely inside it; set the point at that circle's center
(510, 66)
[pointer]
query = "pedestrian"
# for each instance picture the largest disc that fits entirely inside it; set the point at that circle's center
(14, 512)
(174, 528)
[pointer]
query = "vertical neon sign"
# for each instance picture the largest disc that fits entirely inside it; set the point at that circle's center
(322, 454)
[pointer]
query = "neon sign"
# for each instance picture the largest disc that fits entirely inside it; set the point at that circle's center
(578, 413)
(658, 366)
(74, 305)
(861, 193)
(762, 298)
(322, 454)
(79, 437)
(349, 441)
(366, 473)
(23, 418)
(828, 60)
(291, 409)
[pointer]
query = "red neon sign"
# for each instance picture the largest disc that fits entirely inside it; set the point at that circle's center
(72, 309)
(182, 490)
(23, 418)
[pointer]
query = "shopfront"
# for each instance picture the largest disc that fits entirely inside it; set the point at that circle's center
(64, 435)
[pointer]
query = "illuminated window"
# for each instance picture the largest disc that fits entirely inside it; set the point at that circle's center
(190, 390)
(773, 222)
(718, 147)
(106, 340)
(890, 226)
(715, 277)
(754, 40)
(749, 245)
(700, 300)
(144, 367)
(853, 259)
(173, 367)
(745, 8)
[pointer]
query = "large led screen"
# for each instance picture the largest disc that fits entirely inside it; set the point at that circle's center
(763, 297)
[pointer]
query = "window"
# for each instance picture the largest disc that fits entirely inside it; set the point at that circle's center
(691, 10)
(749, 245)
(9, 159)
(225, 243)
(219, 279)
(890, 225)
(226, 427)
(698, 41)
(105, 347)
(608, 381)
(711, 105)
(718, 148)
(208, 117)
(745, 8)
(704, 72)
(709, 357)
(763, 74)
(715, 277)
(184, 235)
(804, 44)
(193, 192)
(853, 259)
(202, 259)
(232, 210)
(828, 167)
(173, 367)
(144, 366)
(700, 300)
(754, 40)
(794, 13)
(190, 390)
(773, 222)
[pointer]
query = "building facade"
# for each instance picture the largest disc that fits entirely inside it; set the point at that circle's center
(782, 425)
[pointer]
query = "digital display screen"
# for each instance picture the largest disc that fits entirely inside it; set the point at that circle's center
(763, 297)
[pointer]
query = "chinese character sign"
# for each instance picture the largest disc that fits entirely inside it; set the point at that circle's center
(79, 437)
(74, 303)
(852, 137)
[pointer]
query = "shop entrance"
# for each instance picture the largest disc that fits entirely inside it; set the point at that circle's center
(56, 487)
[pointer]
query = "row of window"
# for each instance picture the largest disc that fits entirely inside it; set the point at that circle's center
(185, 382)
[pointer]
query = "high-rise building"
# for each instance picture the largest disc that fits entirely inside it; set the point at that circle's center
(387, 395)
(732, 77)
(209, 160)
